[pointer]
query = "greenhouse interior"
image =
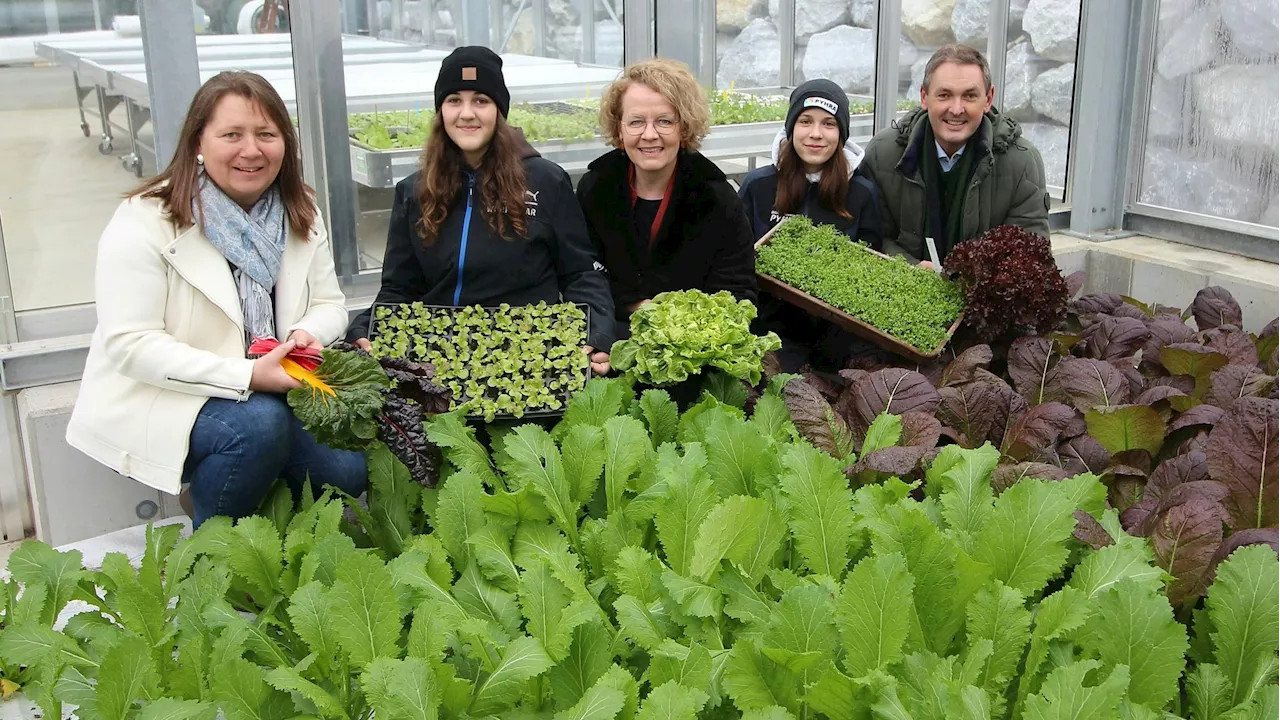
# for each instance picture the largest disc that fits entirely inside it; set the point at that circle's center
(997, 448)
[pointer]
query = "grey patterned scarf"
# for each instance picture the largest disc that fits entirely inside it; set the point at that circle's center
(254, 244)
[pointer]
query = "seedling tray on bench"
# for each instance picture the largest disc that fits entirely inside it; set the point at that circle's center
(475, 361)
(818, 308)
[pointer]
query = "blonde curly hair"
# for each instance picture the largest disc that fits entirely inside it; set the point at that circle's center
(672, 80)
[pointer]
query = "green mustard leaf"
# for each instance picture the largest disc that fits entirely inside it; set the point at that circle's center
(1244, 606)
(366, 610)
(745, 530)
(1133, 626)
(402, 688)
(691, 497)
(523, 658)
(874, 613)
(583, 452)
(997, 614)
(672, 701)
(1025, 539)
(1065, 696)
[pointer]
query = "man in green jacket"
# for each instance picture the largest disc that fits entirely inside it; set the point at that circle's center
(955, 167)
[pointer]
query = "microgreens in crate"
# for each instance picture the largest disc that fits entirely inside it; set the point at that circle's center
(508, 361)
(901, 300)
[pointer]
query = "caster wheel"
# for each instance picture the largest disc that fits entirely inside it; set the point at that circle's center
(104, 146)
(84, 128)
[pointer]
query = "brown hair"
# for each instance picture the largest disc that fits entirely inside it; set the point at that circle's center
(833, 188)
(960, 55)
(177, 186)
(500, 181)
(672, 80)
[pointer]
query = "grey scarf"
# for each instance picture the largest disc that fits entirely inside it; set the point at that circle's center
(253, 243)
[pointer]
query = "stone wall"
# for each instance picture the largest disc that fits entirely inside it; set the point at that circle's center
(1214, 108)
(836, 39)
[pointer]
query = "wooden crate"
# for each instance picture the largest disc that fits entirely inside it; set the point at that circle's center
(844, 320)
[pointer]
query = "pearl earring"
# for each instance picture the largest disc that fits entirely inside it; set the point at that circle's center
(199, 159)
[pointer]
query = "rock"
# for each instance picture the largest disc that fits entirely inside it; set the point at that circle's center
(1254, 25)
(1169, 114)
(814, 16)
(1174, 178)
(1053, 25)
(917, 77)
(928, 22)
(753, 58)
(1017, 9)
(733, 15)
(845, 55)
(908, 53)
(1195, 44)
(1051, 140)
(1238, 104)
(723, 42)
(608, 43)
(1051, 93)
(415, 12)
(863, 13)
(1020, 70)
(970, 21)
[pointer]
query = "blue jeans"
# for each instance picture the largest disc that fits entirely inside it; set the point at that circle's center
(239, 449)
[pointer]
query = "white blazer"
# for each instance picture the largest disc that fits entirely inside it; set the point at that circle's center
(170, 335)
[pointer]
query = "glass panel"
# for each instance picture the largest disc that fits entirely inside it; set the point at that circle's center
(837, 41)
(62, 177)
(1211, 139)
(748, 49)
(1039, 79)
(554, 74)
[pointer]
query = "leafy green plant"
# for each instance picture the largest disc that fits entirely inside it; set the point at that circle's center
(636, 562)
(907, 302)
(504, 360)
(678, 333)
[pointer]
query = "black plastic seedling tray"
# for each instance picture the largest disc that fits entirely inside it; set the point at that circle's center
(564, 395)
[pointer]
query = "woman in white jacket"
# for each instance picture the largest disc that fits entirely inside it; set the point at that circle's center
(224, 246)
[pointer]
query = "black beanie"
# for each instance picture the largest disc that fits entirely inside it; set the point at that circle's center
(824, 95)
(473, 67)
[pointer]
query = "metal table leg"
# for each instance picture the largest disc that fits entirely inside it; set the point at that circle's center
(81, 93)
(106, 103)
(138, 116)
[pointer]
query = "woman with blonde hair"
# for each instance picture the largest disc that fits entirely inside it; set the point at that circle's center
(223, 247)
(487, 220)
(663, 215)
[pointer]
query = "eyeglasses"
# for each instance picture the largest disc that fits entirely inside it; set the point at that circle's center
(664, 126)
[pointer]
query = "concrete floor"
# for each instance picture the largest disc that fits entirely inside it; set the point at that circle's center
(56, 191)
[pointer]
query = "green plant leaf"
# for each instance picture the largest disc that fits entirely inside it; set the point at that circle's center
(1133, 626)
(1244, 607)
(175, 709)
(745, 530)
(600, 702)
(1060, 614)
(459, 514)
(997, 614)
(1128, 557)
(1126, 427)
(964, 477)
(588, 659)
(672, 701)
(128, 675)
(256, 556)
(820, 513)
(35, 562)
(524, 658)
(546, 604)
(802, 632)
(535, 460)
(401, 688)
(754, 681)
(481, 599)
(31, 644)
(287, 679)
(458, 441)
(393, 495)
(874, 613)
(691, 497)
(1024, 541)
(1208, 692)
(583, 451)
(661, 415)
(365, 610)
(736, 452)
(688, 666)
(311, 610)
(242, 693)
(1066, 697)
(627, 446)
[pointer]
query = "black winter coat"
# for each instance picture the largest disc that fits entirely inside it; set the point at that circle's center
(469, 264)
(862, 201)
(704, 241)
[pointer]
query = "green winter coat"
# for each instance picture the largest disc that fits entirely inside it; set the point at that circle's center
(1007, 187)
